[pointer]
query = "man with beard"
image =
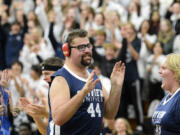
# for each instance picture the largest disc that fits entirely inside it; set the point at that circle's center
(78, 101)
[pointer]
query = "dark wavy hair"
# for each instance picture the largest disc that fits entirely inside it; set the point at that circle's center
(177, 27)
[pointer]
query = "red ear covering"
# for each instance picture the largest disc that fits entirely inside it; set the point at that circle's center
(65, 49)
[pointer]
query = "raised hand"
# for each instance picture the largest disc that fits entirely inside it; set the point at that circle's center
(4, 79)
(42, 97)
(90, 84)
(117, 75)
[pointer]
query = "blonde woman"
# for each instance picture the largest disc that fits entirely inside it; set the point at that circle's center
(122, 127)
(166, 117)
(166, 36)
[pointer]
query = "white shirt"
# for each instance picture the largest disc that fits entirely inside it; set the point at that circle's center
(14, 92)
(154, 74)
(144, 53)
(105, 82)
(176, 45)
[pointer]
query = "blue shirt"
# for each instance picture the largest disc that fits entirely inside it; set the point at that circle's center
(88, 119)
(5, 123)
(13, 46)
(166, 117)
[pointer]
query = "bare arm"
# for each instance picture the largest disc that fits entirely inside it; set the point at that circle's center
(148, 44)
(61, 103)
(41, 125)
(112, 102)
(37, 112)
(19, 88)
(149, 68)
(10, 100)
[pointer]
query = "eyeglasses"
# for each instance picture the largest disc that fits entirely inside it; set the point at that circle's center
(83, 47)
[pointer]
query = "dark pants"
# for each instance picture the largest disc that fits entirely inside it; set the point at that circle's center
(155, 91)
(131, 95)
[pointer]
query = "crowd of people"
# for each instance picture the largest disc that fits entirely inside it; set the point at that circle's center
(33, 33)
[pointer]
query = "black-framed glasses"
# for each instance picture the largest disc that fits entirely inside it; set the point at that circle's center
(83, 47)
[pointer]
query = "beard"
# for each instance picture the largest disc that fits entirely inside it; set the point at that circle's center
(84, 61)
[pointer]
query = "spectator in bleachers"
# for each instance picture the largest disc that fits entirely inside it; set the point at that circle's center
(164, 5)
(25, 54)
(14, 44)
(147, 42)
(166, 36)
(176, 46)
(25, 129)
(135, 15)
(170, 10)
(32, 17)
(122, 127)
(99, 41)
(17, 89)
(87, 16)
(98, 22)
(131, 87)
(32, 82)
(4, 28)
(154, 62)
(45, 14)
(155, 5)
(154, 22)
(70, 21)
(4, 22)
(112, 24)
(21, 19)
(111, 5)
(107, 61)
(16, 85)
(175, 14)
(35, 49)
(57, 46)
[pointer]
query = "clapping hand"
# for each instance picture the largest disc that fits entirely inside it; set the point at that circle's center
(34, 110)
(90, 84)
(117, 75)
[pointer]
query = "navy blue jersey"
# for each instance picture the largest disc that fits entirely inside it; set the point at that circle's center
(166, 118)
(4, 120)
(88, 119)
